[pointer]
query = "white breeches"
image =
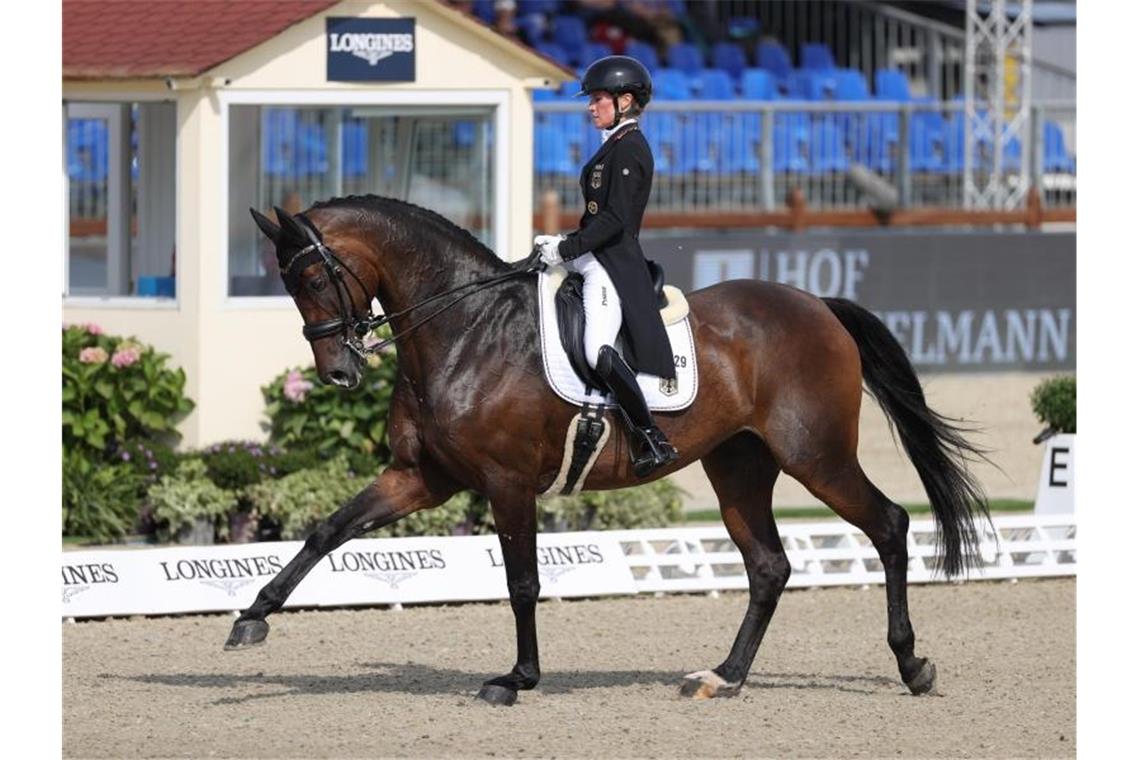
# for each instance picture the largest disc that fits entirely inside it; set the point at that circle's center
(602, 306)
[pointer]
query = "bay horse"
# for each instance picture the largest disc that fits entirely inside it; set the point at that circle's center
(781, 378)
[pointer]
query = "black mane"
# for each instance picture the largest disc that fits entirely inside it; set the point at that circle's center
(396, 207)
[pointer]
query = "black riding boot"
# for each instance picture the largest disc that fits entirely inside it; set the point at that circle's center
(649, 448)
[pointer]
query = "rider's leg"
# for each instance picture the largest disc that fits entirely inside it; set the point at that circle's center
(650, 448)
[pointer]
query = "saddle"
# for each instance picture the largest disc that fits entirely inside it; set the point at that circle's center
(568, 373)
(571, 314)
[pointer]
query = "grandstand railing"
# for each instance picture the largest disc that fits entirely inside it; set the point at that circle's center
(725, 157)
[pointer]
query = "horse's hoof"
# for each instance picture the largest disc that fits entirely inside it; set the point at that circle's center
(706, 684)
(247, 633)
(498, 695)
(925, 681)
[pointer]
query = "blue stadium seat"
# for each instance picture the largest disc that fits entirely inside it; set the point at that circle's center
(531, 27)
(569, 90)
(354, 147)
(644, 53)
(891, 84)
(555, 51)
(593, 51)
(671, 84)
(686, 57)
(485, 10)
(712, 84)
(757, 84)
(851, 85)
(86, 150)
(729, 57)
(663, 130)
(740, 143)
(551, 154)
(816, 55)
(743, 27)
(772, 56)
(1057, 156)
(570, 32)
(927, 136)
(543, 7)
(827, 151)
(699, 143)
(789, 145)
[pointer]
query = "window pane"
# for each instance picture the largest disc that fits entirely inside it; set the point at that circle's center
(293, 157)
(121, 198)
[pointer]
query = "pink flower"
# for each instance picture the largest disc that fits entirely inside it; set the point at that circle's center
(126, 355)
(296, 387)
(93, 329)
(93, 355)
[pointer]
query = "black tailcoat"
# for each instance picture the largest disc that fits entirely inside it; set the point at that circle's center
(615, 183)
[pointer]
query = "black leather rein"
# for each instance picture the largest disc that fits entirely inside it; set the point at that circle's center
(354, 328)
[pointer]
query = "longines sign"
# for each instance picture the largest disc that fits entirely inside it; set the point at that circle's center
(956, 301)
(371, 49)
(364, 571)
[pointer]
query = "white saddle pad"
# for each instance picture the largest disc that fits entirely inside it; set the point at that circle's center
(661, 395)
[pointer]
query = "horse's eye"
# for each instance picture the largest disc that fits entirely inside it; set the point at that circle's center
(317, 284)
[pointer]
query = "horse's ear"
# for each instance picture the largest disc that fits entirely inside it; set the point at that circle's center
(271, 230)
(290, 227)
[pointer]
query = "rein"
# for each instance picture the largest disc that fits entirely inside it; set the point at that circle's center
(354, 328)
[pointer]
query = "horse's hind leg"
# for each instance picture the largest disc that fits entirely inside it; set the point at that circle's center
(396, 493)
(847, 490)
(742, 472)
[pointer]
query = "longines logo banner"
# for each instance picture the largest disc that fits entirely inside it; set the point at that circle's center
(972, 301)
(364, 571)
(371, 49)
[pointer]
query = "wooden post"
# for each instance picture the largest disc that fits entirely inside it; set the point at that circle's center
(797, 206)
(551, 211)
(1033, 211)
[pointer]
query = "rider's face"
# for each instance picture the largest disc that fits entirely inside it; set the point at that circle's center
(601, 107)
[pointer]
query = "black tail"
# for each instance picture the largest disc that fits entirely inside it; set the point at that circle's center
(937, 448)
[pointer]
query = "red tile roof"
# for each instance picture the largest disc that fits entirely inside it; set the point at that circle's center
(121, 39)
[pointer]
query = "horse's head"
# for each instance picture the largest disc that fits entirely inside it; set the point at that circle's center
(332, 289)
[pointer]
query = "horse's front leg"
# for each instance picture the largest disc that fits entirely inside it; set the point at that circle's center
(396, 493)
(516, 521)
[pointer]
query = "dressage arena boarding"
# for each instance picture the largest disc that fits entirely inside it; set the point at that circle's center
(400, 679)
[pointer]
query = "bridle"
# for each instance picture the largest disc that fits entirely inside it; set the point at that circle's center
(352, 328)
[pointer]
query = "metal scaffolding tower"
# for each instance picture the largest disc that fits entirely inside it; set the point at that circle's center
(999, 39)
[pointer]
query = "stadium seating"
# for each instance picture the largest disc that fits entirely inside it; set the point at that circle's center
(569, 32)
(757, 84)
(555, 51)
(730, 57)
(772, 56)
(671, 84)
(815, 55)
(712, 84)
(686, 57)
(891, 84)
(1057, 157)
(644, 53)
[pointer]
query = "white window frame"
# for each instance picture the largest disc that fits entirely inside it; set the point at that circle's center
(497, 99)
(119, 302)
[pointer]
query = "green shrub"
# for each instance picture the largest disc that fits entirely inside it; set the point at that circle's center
(1055, 403)
(235, 465)
(297, 502)
(652, 505)
(117, 390)
(306, 414)
(181, 499)
(149, 459)
(100, 502)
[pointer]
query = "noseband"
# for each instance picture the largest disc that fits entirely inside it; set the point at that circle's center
(352, 328)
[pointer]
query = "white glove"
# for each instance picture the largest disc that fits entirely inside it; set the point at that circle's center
(548, 248)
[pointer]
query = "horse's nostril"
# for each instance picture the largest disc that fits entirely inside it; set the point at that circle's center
(339, 377)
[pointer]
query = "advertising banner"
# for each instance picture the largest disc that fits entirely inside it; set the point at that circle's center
(371, 49)
(956, 301)
(361, 572)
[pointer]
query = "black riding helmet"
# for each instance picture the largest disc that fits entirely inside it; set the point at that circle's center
(618, 74)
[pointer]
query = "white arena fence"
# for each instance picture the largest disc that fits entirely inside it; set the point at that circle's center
(398, 571)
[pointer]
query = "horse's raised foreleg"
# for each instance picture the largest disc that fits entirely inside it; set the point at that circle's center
(742, 473)
(396, 493)
(516, 522)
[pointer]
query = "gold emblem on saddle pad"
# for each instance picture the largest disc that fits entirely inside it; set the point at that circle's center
(596, 177)
(592, 207)
(668, 386)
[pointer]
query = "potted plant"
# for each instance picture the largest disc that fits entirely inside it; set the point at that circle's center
(186, 505)
(1054, 402)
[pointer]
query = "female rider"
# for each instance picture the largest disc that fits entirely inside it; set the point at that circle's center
(617, 289)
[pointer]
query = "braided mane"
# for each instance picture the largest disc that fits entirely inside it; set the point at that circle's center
(394, 207)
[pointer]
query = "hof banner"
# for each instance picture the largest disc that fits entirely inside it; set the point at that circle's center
(361, 572)
(956, 301)
(371, 49)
